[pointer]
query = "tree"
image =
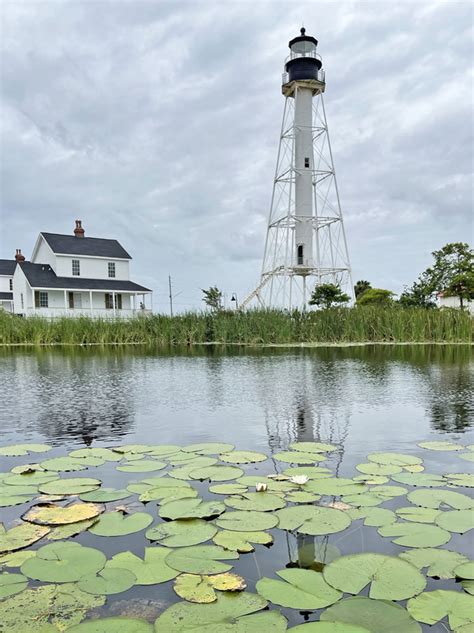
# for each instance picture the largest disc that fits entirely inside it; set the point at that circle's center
(327, 295)
(361, 286)
(375, 297)
(213, 298)
(416, 297)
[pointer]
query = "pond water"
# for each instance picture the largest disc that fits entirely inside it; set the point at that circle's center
(361, 399)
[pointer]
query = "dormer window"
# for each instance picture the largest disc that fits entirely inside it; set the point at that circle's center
(76, 268)
(111, 269)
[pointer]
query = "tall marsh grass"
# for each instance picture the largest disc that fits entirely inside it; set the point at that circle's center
(338, 325)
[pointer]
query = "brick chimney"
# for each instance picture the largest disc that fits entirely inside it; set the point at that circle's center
(19, 255)
(79, 231)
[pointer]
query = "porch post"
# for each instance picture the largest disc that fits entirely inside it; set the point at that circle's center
(65, 301)
(113, 301)
(151, 302)
(90, 300)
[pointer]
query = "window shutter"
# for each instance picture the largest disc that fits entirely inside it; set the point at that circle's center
(119, 302)
(71, 300)
(37, 298)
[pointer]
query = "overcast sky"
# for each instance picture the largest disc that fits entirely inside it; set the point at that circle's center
(157, 123)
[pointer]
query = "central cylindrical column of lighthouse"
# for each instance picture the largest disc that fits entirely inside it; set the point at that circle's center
(302, 81)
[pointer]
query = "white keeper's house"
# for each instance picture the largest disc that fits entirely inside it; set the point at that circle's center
(72, 275)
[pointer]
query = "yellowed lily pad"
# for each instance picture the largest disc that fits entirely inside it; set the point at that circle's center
(20, 536)
(52, 514)
(201, 589)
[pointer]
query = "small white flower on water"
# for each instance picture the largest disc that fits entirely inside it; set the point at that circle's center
(261, 487)
(299, 479)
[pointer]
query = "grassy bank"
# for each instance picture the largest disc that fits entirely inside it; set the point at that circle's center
(339, 325)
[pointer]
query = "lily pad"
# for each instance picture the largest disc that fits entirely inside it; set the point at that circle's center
(241, 542)
(371, 480)
(389, 492)
(312, 472)
(373, 517)
(63, 562)
(118, 523)
(468, 457)
(164, 450)
(46, 609)
(378, 616)
(34, 478)
(113, 625)
(415, 534)
(299, 457)
(328, 627)
(195, 464)
(441, 563)
(15, 495)
(167, 494)
(336, 486)
(229, 613)
(132, 449)
(313, 447)
(63, 464)
(20, 536)
(242, 457)
(191, 509)
(460, 521)
(10, 584)
(461, 479)
(16, 559)
(301, 589)
(419, 515)
(390, 578)
(72, 486)
(301, 496)
(105, 454)
(216, 473)
(441, 446)
(432, 606)
(182, 533)
(61, 532)
(105, 495)
(247, 521)
(440, 497)
(314, 520)
(17, 450)
(427, 480)
(51, 514)
(251, 481)
(372, 468)
(150, 571)
(228, 489)
(258, 501)
(396, 459)
(364, 500)
(208, 448)
(107, 582)
(142, 466)
(200, 559)
(201, 589)
(465, 570)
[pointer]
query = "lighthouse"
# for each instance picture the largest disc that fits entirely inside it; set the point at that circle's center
(306, 242)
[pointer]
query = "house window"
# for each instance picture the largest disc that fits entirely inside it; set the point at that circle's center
(306, 162)
(109, 301)
(111, 267)
(11, 285)
(300, 254)
(76, 268)
(41, 299)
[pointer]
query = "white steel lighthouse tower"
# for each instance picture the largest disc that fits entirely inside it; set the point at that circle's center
(306, 243)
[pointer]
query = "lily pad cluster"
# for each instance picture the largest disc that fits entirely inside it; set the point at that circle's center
(198, 509)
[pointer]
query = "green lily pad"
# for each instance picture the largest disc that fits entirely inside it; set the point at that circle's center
(371, 480)
(301, 589)
(299, 457)
(259, 501)
(432, 606)
(90, 461)
(415, 534)
(142, 466)
(389, 492)
(150, 571)
(107, 582)
(72, 486)
(465, 570)
(182, 533)
(427, 480)
(63, 562)
(191, 509)
(51, 514)
(241, 542)
(247, 521)
(105, 454)
(440, 497)
(373, 517)
(216, 473)
(16, 559)
(118, 523)
(164, 450)
(185, 459)
(132, 449)
(208, 448)
(468, 457)
(328, 627)
(21, 469)
(20, 536)
(113, 625)
(313, 447)
(228, 489)
(183, 472)
(251, 481)
(460, 521)
(242, 457)
(17, 450)
(15, 495)
(314, 520)
(42, 609)
(63, 464)
(372, 468)
(167, 494)
(312, 472)
(396, 459)
(419, 515)
(461, 479)
(441, 446)
(104, 495)
(301, 496)
(201, 589)
(335, 487)
(390, 578)
(229, 613)
(34, 478)
(201, 559)
(61, 532)
(441, 563)
(378, 616)
(10, 584)
(364, 500)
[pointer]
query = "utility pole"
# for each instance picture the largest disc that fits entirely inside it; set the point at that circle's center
(171, 295)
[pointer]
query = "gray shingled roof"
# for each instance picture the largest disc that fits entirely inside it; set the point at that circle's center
(43, 276)
(6, 296)
(93, 246)
(7, 266)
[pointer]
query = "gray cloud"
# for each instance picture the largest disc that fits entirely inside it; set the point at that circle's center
(157, 123)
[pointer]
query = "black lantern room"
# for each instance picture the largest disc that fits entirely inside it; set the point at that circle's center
(304, 63)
